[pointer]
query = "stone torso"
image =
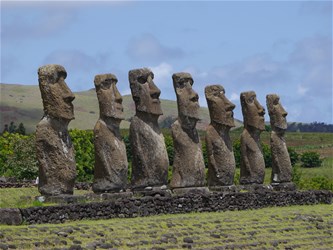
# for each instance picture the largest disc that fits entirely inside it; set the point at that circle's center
(252, 160)
(111, 164)
(55, 154)
(221, 160)
(281, 165)
(188, 164)
(150, 159)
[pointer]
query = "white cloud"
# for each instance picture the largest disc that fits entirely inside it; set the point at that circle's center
(162, 74)
(147, 47)
(234, 97)
(301, 90)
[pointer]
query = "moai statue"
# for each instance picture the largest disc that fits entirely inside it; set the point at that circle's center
(252, 169)
(55, 152)
(281, 165)
(221, 159)
(188, 164)
(111, 166)
(149, 155)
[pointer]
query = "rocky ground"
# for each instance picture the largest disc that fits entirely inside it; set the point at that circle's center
(296, 227)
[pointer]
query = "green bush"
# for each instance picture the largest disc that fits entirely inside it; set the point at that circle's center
(294, 156)
(266, 150)
(316, 183)
(296, 174)
(18, 156)
(83, 141)
(310, 159)
(237, 152)
(204, 152)
(128, 148)
(169, 147)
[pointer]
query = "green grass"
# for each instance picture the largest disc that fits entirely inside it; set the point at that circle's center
(302, 227)
(23, 197)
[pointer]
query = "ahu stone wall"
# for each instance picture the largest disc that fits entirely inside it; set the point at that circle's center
(146, 206)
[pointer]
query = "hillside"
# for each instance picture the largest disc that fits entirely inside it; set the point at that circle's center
(23, 103)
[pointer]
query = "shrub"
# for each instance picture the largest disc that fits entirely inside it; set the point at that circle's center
(266, 150)
(296, 174)
(128, 148)
(204, 152)
(18, 156)
(293, 156)
(310, 159)
(83, 141)
(169, 147)
(237, 152)
(316, 183)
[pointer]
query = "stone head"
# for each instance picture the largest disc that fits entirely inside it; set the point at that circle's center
(109, 98)
(276, 112)
(253, 112)
(187, 98)
(144, 91)
(57, 97)
(220, 108)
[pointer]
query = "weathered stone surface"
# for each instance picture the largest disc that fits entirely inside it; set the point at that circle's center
(281, 165)
(149, 156)
(188, 164)
(221, 159)
(111, 166)
(55, 152)
(191, 202)
(252, 169)
(10, 216)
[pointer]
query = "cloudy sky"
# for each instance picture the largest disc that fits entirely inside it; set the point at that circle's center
(282, 47)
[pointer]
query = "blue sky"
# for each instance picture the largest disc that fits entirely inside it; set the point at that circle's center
(282, 47)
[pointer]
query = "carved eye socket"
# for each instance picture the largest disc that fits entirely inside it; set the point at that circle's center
(106, 84)
(251, 99)
(276, 101)
(142, 79)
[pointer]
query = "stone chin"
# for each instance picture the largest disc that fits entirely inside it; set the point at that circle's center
(67, 115)
(280, 126)
(260, 125)
(154, 109)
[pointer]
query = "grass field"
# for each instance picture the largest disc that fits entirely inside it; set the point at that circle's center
(295, 227)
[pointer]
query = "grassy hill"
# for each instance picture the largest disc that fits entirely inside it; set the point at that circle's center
(23, 103)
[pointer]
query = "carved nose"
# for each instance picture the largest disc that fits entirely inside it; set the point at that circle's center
(194, 97)
(154, 91)
(261, 111)
(117, 95)
(230, 106)
(69, 98)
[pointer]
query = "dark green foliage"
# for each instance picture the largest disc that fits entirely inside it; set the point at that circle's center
(18, 156)
(12, 128)
(204, 152)
(268, 128)
(128, 148)
(296, 174)
(294, 156)
(266, 150)
(237, 152)
(316, 183)
(310, 159)
(169, 147)
(83, 141)
(21, 129)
